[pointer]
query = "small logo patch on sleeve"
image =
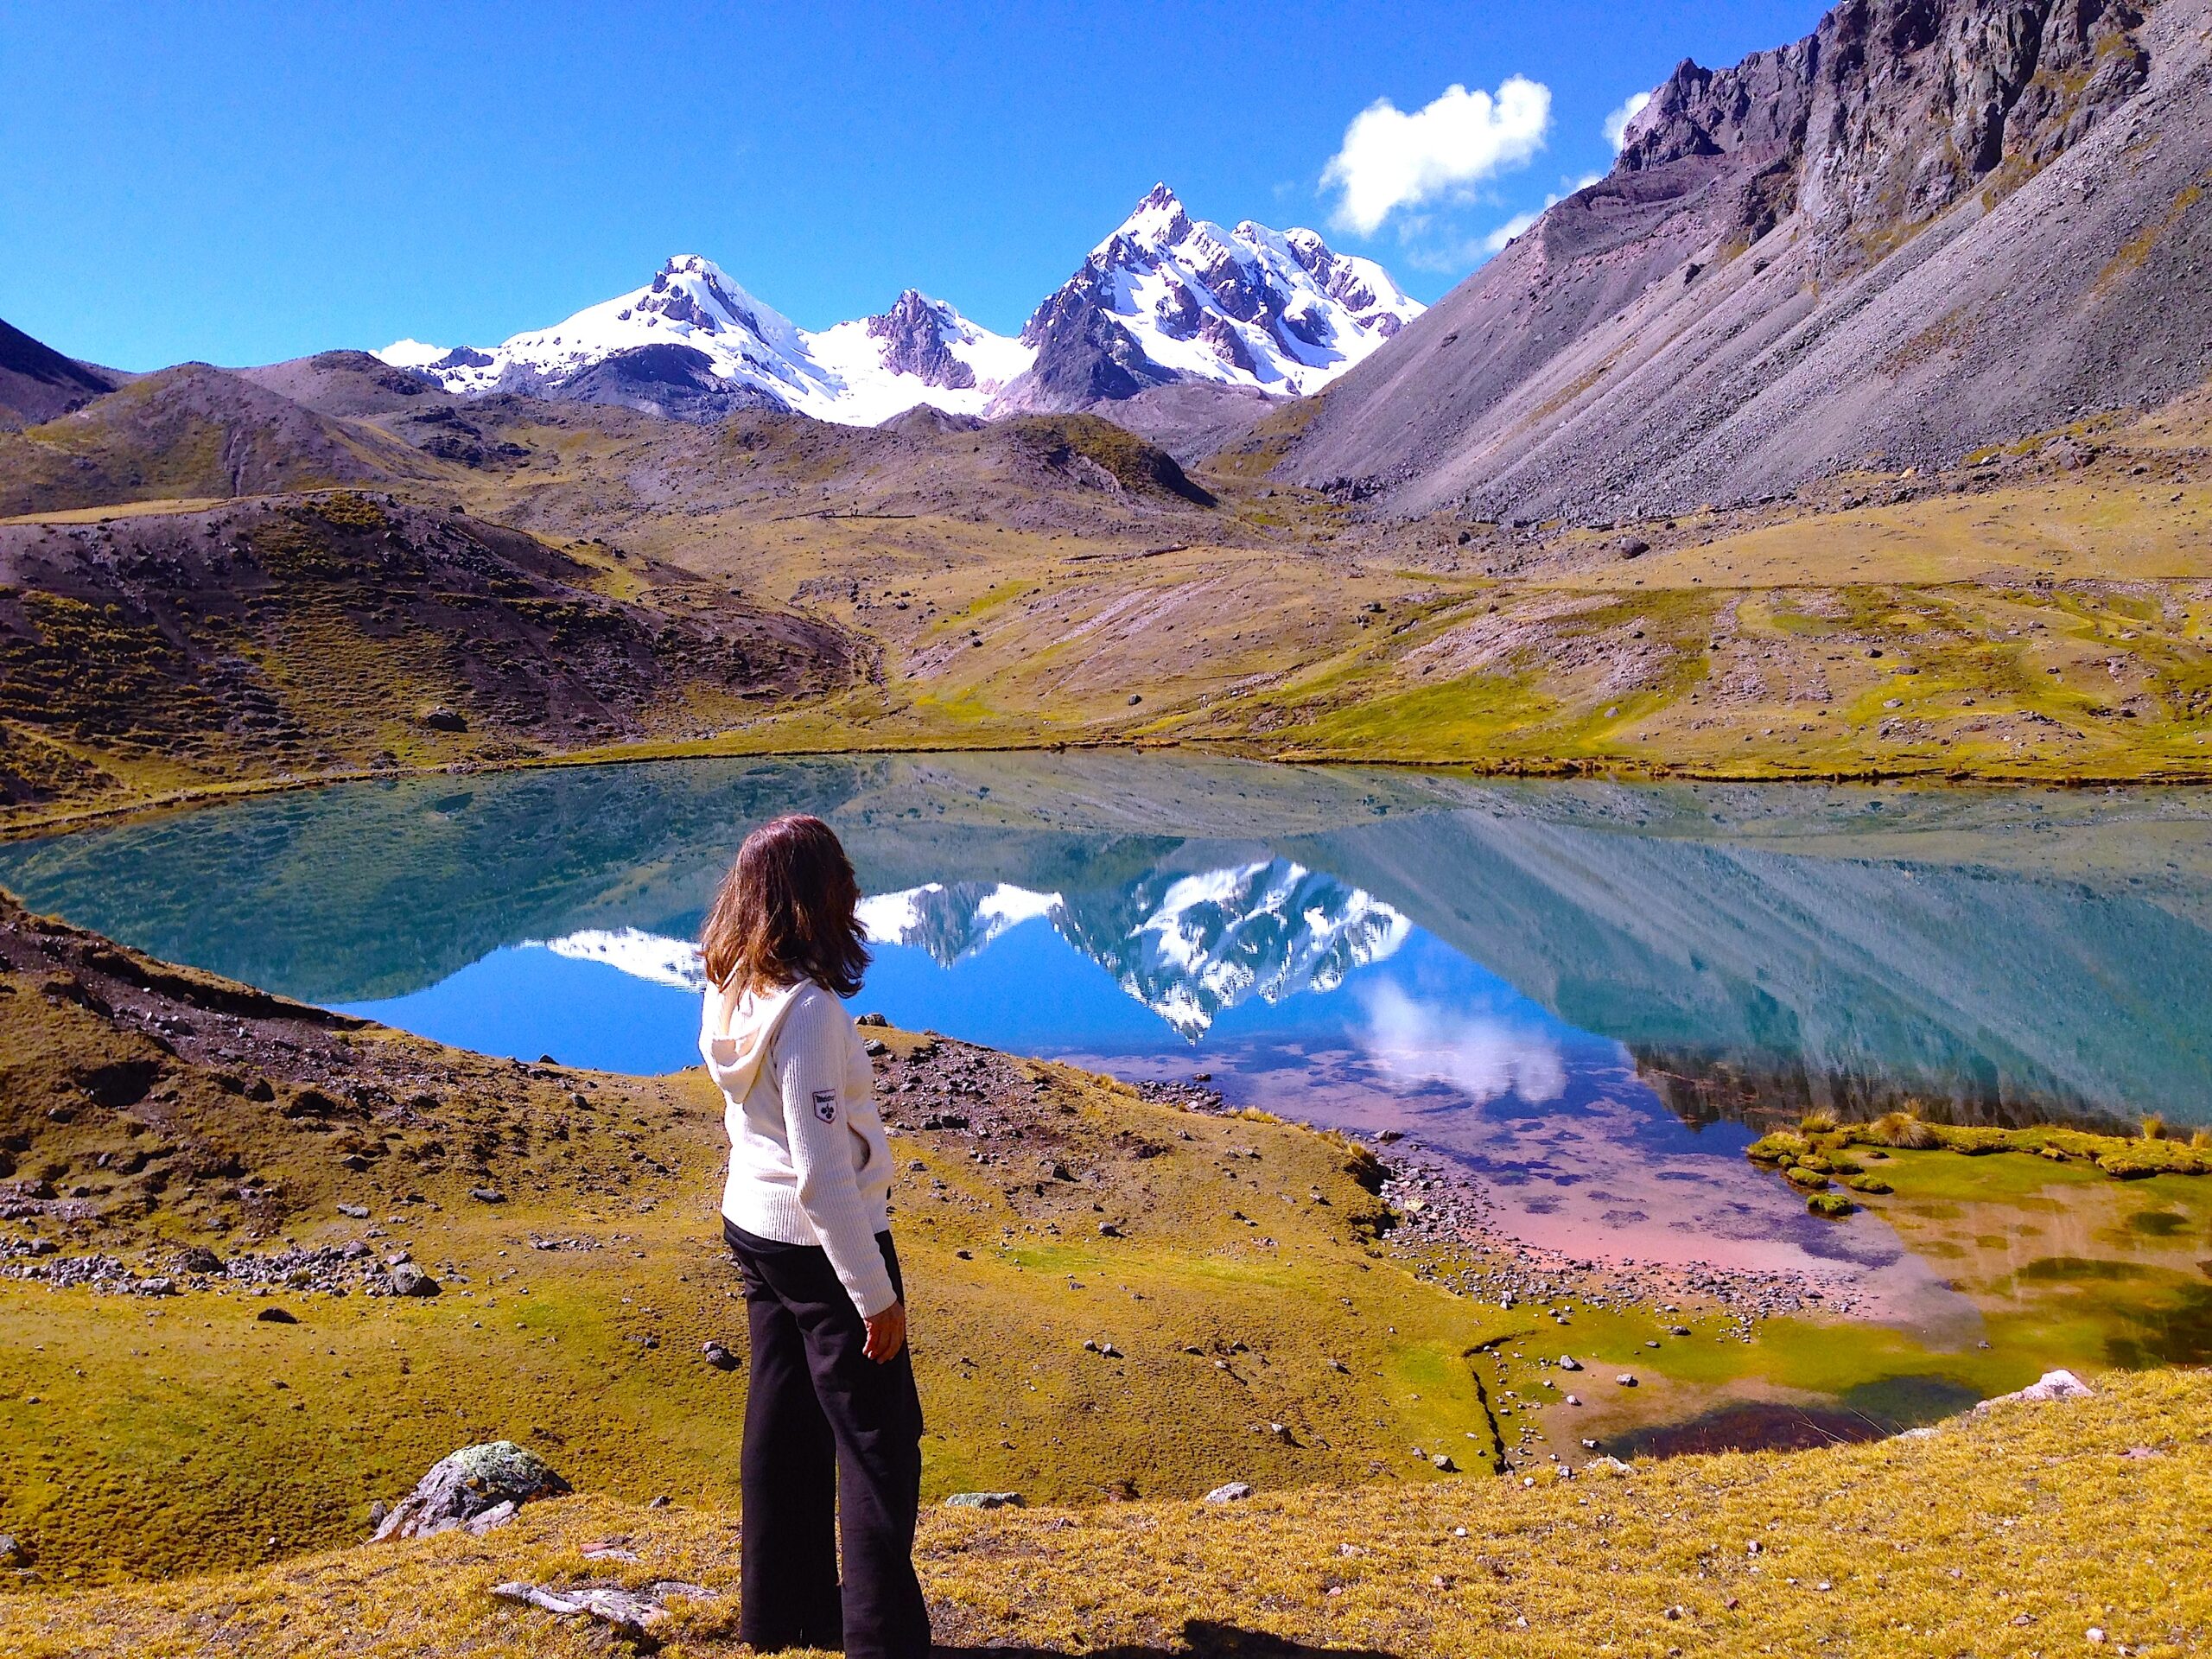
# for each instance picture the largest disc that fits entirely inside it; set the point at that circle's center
(825, 1105)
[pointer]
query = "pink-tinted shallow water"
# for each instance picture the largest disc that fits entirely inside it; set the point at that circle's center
(1602, 1171)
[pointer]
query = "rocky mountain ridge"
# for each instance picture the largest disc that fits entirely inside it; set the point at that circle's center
(1929, 227)
(1164, 300)
(37, 383)
(1167, 299)
(693, 344)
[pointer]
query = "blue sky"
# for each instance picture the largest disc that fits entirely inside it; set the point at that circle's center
(243, 183)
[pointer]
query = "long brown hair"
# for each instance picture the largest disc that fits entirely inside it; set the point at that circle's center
(785, 911)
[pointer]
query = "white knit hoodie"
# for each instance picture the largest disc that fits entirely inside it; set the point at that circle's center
(809, 1163)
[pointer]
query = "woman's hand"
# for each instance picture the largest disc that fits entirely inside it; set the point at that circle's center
(887, 1333)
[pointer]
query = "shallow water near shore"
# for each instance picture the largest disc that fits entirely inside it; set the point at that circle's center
(1587, 997)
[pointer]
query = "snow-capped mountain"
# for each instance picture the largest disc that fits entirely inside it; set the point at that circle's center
(1187, 946)
(693, 338)
(1164, 299)
(1169, 298)
(952, 922)
(1190, 946)
(651, 957)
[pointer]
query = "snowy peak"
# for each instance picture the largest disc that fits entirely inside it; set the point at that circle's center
(918, 334)
(692, 293)
(1157, 221)
(1165, 298)
(692, 343)
(1170, 298)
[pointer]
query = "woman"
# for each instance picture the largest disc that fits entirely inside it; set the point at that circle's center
(833, 1427)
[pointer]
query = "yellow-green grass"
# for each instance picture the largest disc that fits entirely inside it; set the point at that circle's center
(1994, 1534)
(174, 1434)
(2058, 628)
(152, 1435)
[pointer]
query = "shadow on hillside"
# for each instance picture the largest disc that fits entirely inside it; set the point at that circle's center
(1202, 1639)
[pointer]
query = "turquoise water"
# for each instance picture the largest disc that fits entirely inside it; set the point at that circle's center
(1578, 991)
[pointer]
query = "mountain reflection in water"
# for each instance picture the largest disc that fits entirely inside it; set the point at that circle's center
(1582, 991)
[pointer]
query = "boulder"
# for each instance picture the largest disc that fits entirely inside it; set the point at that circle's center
(983, 1501)
(2052, 1385)
(477, 1487)
(408, 1280)
(1235, 1491)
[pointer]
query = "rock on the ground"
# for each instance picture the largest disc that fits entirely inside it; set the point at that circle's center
(632, 1613)
(2051, 1385)
(408, 1280)
(1233, 1492)
(473, 1485)
(984, 1501)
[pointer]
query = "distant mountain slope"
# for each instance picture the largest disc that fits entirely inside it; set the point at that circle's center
(350, 386)
(296, 634)
(1930, 225)
(190, 432)
(694, 345)
(1167, 299)
(37, 383)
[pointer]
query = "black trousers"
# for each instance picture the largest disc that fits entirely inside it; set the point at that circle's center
(832, 1446)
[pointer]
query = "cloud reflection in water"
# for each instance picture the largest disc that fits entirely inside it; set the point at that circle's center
(1479, 1054)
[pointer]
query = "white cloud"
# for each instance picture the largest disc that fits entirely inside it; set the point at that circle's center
(1481, 1055)
(1617, 123)
(1391, 159)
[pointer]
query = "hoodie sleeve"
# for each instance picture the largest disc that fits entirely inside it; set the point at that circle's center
(809, 1063)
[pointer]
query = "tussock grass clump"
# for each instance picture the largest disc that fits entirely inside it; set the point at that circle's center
(2154, 1151)
(1817, 1122)
(1833, 1205)
(1901, 1128)
(1780, 1147)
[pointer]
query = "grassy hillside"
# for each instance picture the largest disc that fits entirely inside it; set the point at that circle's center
(2042, 612)
(191, 430)
(1232, 1264)
(155, 652)
(1990, 1535)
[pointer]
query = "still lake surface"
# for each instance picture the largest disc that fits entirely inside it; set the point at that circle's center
(1578, 991)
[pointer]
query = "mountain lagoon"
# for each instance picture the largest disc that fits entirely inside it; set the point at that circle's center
(1590, 997)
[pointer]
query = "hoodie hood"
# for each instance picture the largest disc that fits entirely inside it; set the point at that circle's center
(735, 1029)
